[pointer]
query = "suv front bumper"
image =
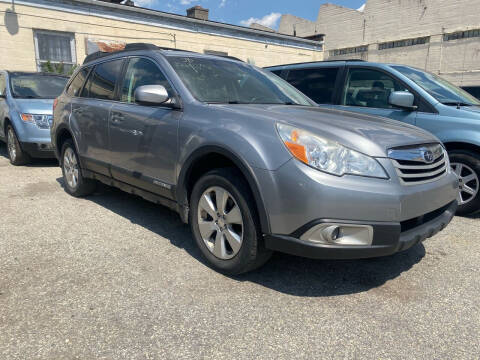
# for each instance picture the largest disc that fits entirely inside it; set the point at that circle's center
(388, 238)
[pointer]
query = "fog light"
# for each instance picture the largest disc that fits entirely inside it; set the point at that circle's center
(340, 234)
(331, 233)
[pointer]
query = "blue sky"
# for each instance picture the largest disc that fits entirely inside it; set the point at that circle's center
(242, 12)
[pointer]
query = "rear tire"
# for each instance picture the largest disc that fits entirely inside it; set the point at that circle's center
(466, 164)
(74, 182)
(234, 224)
(15, 153)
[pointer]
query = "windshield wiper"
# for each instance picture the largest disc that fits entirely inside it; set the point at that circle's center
(26, 97)
(456, 103)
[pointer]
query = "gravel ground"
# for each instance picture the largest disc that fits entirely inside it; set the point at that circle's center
(115, 277)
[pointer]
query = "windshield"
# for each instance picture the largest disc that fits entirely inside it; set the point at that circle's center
(37, 86)
(439, 88)
(213, 80)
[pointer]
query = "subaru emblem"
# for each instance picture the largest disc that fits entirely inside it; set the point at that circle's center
(427, 156)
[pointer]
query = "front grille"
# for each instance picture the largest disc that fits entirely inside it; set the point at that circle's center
(419, 164)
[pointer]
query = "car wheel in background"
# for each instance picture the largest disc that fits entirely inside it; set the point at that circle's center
(466, 165)
(75, 183)
(225, 223)
(15, 153)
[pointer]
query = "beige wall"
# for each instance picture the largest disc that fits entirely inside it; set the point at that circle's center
(17, 51)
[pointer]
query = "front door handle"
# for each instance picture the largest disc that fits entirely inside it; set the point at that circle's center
(117, 118)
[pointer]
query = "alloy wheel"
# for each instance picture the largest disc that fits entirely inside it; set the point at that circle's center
(12, 149)
(468, 182)
(220, 222)
(70, 167)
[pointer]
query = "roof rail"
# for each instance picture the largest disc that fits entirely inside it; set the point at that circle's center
(128, 47)
(230, 57)
(316, 62)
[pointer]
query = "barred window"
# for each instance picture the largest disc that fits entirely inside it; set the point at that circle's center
(351, 50)
(54, 50)
(403, 43)
(461, 35)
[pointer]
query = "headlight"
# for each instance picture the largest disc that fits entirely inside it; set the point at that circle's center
(328, 156)
(42, 121)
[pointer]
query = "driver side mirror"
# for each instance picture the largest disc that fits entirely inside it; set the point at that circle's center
(151, 95)
(403, 100)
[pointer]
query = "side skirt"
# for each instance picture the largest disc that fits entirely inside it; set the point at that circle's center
(157, 199)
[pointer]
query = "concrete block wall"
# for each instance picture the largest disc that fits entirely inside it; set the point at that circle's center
(17, 51)
(393, 20)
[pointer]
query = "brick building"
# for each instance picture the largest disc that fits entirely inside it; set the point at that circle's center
(441, 36)
(34, 32)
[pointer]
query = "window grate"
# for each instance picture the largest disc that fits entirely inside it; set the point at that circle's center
(461, 35)
(403, 43)
(351, 50)
(56, 48)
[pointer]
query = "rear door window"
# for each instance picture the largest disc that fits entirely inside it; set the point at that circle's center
(317, 83)
(77, 83)
(102, 80)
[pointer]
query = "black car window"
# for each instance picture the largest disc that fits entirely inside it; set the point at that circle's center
(102, 80)
(317, 84)
(3, 85)
(76, 85)
(141, 71)
(369, 88)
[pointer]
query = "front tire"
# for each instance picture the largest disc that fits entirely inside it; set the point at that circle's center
(75, 184)
(225, 223)
(15, 153)
(466, 164)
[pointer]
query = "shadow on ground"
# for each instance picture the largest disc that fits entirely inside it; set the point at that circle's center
(287, 274)
(34, 162)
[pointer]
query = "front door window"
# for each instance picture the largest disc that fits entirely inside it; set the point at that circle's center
(369, 88)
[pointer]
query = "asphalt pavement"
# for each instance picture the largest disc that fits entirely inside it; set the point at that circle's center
(112, 276)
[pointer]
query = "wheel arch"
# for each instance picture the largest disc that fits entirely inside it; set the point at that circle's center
(458, 145)
(208, 158)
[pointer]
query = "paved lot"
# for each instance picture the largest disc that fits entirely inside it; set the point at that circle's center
(115, 277)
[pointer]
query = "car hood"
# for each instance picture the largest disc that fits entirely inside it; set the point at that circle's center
(34, 106)
(371, 135)
(472, 109)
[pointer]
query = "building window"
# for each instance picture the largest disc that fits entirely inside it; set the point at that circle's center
(461, 35)
(216, 53)
(403, 43)
(346, 51)
(54, 51)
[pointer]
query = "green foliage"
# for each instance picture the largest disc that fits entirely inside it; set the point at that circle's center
(57, 68)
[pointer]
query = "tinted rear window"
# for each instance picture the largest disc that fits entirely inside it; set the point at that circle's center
(102, 80)
(317, 84)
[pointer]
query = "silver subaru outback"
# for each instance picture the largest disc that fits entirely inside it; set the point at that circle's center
(250, 162)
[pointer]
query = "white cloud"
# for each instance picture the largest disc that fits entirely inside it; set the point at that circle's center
(145, 3)
(269, 20)
(222, 3)
(361, 8)
(186, 2)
